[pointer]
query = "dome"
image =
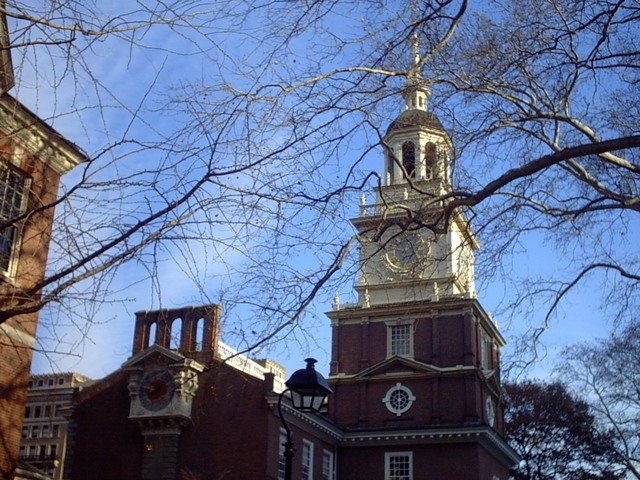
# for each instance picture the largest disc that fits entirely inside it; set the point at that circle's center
(415, 118)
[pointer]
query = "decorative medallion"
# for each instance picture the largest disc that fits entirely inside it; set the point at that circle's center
(399, 399)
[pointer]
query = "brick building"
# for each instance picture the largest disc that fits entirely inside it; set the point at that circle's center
(196, 411)
(415, 366)
(33, 157)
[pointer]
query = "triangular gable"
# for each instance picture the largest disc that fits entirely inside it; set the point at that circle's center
(398, 365)
(154, 354)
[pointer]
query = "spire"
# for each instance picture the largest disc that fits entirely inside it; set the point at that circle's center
(415, 92)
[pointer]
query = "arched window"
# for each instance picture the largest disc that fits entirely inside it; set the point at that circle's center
(176, 332)
(409, 158)
(199, 334)
(390, 167)
(153, 329)
(430, 159)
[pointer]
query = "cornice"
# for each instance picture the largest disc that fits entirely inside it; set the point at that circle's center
(493, 442)
(444, 306)
(427, 371)
(38, 138)
(305, 420)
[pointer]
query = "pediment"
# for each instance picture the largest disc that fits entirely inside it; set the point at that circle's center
(398, 366)
(154, 355)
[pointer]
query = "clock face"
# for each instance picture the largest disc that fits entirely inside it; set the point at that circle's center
(156, 390)
(405, 250)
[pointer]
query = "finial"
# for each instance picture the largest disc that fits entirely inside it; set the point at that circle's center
(415, 48)
(366, 300)
(416, 92)
(336, 301)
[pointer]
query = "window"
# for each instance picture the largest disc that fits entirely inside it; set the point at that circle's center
(40, 383)
(27, 412)
(327, 465)
(38, 409)
(56, 431)
(398, 466)
(53, 449)
(43, 451)
(199, 335)
(281, 459)
(307, 460)
(399, 399)
(45, 431)
(430, 160)
(50, 382)
(47, 410)
(25, 432)
(13, 189)
(390, 167)
(153, 330)
(485, 351)
(61, 381)
(23, 451)
(34, 431)
(409, 158)
(176, 332)
(400, 339)
(32, 451)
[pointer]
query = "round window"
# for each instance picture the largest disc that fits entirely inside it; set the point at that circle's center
(398, 399)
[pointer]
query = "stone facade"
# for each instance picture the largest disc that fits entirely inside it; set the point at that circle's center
(46, 421)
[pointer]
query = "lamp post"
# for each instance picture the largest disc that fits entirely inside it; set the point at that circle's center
(307, 392)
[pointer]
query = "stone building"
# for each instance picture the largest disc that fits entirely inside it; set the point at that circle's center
(46, 420)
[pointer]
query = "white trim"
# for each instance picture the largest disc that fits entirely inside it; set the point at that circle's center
(282, 438)
(307, 444)
(387, 465)
(401, 322)
(330, 475)
(18, 335)
(410, 397)
(9, 273)
(18, 122)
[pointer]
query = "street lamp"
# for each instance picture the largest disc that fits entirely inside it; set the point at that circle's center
(307, 392)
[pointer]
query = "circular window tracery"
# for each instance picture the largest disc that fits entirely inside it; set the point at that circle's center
(399, 399)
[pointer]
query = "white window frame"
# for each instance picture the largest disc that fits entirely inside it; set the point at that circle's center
(486, 350)
(328, 472)
(307, 460)
(281, 459)
(14, 253)
(406, 392)
(388, 474)
(392, 329)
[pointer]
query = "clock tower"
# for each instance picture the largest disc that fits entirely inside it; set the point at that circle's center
(415, 363)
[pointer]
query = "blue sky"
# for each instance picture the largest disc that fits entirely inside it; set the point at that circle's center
(143, 94)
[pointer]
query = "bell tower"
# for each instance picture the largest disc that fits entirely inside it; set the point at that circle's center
(415, 362)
